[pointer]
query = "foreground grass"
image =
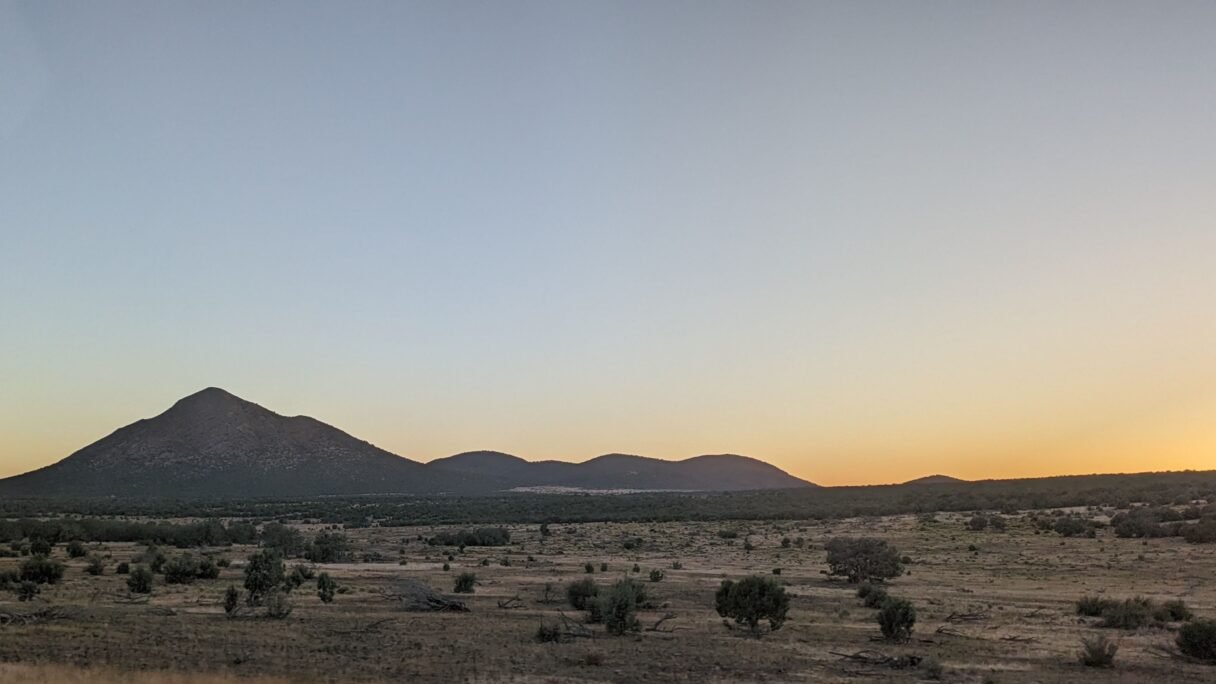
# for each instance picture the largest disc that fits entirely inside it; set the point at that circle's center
(12, 673)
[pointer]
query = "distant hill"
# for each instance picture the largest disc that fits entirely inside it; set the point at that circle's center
(214, 444)
(934, 479)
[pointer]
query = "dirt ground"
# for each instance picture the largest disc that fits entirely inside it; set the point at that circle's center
(1000, 613)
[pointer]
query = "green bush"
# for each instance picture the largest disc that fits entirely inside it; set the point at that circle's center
(1098, 652)
(1132, 613)
(328, 547)
(41, 570)
(581, 593)
(618, 607)
(95, 566)
(139, 581)
(752, 599)
(588, 568)
(76, 549)
(326, 587)
(1172, 611)
(1197, 639)
(278, 606)
(863, 559)
(485, 536)
(875, 598)
(232, 598)
(122, 568)
(464, 583)
(1092, 606)
(656, 575)
(28, 591)
(181, 569)
(263, 574)
(896, 617)
(549, 633)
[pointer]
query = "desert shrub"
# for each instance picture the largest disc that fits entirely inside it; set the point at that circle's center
(28, 591)
(232, 598)
(656, 575)
(139, 581)
(785, 542)
(76, 550)
(549, 633)
(122, 568)
(1092, 606)
(677, 565)
(464, 583)
(328, 547)
(277, 605)
(1202, 532)
(326, 587)
(207, 569)
(752, 599)
(1068, 526)
(862, 559)
(41, 570)
(896, 617)
(588, 568)
(748, 545)
(447, 567)
(997, 523)
(1098, 652)
(181, 569)
(932, 667)
(728, 534)
(637, 568)
(580, 593)
(95, 566)
(1197, 639)
(776, 571)
(618, 607)
(977, 523)
(483, 536)
(9, 579)
(874, 598)
(1132, 613)
(1172, 611)
(40, 547)
(263, 574)
(286, 540)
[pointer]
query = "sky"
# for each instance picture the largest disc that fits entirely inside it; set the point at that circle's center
(863, 241)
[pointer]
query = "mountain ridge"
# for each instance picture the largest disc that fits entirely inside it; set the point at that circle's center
(213, 443)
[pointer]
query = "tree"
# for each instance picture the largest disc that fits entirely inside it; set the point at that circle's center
(326, 587)
(263, 574)
(328, 547)
(232, 598)
(41, 570)
(863, 559)
(751, 600)
(896, 617)
(618, 607)
(140, 580)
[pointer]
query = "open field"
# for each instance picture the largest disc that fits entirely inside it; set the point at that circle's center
(1000, 613)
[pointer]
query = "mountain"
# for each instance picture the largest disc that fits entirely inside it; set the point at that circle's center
(934, 479)
(215, 444)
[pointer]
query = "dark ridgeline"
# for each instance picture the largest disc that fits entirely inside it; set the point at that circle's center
(214, 444)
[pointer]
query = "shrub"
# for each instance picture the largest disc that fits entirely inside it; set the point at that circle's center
(1172, 611)
(549, 633)
(1098, 652)
(1202, 532)
(728, 534)
(464, 583)
(977, 523)
(152, 557)
(326, 587)
(122, 568)
(618, 607)
(95, 566)
(76, 549)
(588, 568)
(1197, 639)
(232, 598)
(277, 605)
(298, 576)
(862, 559)
(677, 565)
(1092, 606)
(40, 547)
(581, 593)
(263, 574)
(484, 536)
(1069, 526)
(41, 570)
(997, 523)
(875, 598)
(207, 569)
(447, 567)
(28, 591)
(656, 575)
(896, 618)
(140, 580)
(637, 568)
(1132, 613)
(181, 570)
(932, 667)
(328, 547)
(752, 599)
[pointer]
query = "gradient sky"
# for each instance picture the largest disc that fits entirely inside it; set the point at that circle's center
(864, 241)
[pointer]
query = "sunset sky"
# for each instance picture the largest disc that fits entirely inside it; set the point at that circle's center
(863, 241)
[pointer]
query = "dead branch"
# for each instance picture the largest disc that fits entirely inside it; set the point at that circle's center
(369, 627)
(41, 615)
(658, 625)
(513, 602)
(967, 617)
(875, 658)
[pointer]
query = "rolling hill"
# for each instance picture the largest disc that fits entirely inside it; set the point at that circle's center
(215, 444)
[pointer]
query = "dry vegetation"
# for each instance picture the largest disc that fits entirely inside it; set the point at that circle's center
(991, 606)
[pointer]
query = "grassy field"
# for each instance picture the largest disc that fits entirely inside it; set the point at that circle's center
(992, 607)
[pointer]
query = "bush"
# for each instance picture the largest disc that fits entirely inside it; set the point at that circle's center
(862, 559)
(875, 598)
(95, 566)
(140, 580)
(677, 565)
(1098, 652)
(485, 536)
(263, 574)
(277, 605)
(41, 570)
(581, 593)
(997, 523)
(549, 633)
(1132, 613)
(328, 547)
(182, 569)
(896, 617)
(932, 667)
(122, 568)
(207, 569)
(1198, 640)
(1092, 606)
(232, 598)
(152, 557)
(1202, 532)
(728, 534)
(326, 587)
(1172, 611)
(588, 568)
(603, 567)
(464, 583)
(656, 575)
(977, 523)
(28, 591)
(751, 600)
(40, 547)
(1069, 526)
(618, 607)
(76, 549)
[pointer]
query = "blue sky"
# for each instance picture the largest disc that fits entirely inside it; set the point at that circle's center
(974, 238)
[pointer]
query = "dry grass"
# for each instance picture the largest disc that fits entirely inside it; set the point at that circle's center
(1004, 614)
(11, 673)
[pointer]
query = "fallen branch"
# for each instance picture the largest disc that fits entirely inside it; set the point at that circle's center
(875, 658)
(33, 617)
(371, 626)
(658, 625)
(513, 602)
